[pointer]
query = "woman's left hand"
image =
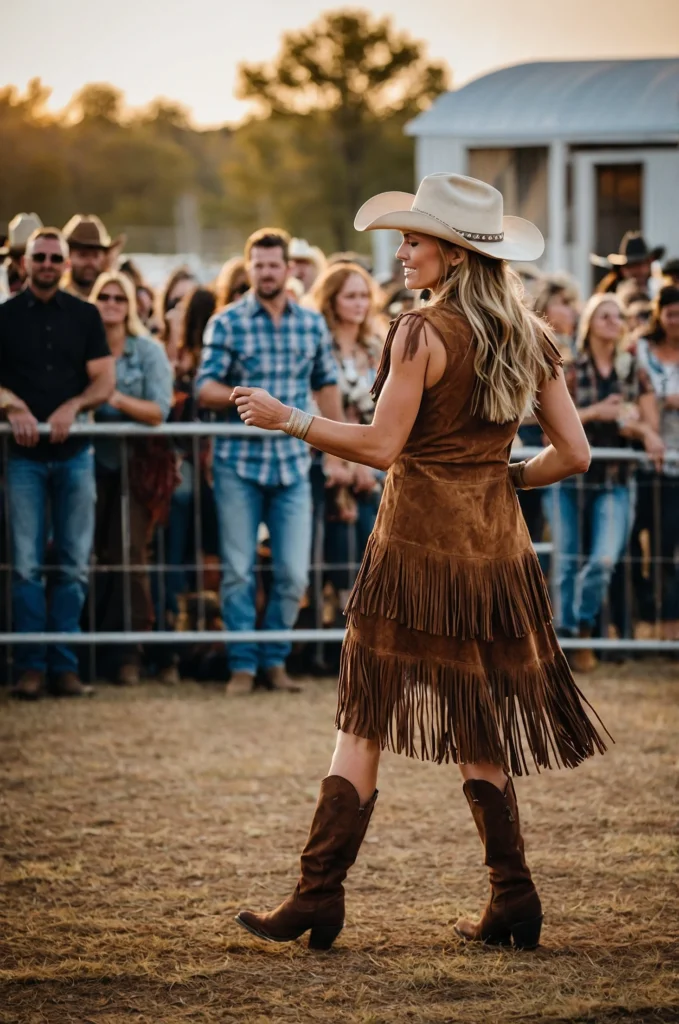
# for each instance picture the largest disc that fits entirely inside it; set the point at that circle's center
(257, 408)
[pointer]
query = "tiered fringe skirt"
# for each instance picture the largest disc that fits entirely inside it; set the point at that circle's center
(450, 658)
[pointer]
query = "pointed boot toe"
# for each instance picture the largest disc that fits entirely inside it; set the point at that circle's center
(317, 904)
(267, 927)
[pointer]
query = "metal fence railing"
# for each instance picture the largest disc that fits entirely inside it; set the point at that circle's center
(631, 564)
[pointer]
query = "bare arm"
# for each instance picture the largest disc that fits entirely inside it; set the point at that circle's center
(568, 452)
(377, 445)
(102, 374)
(213, 395)
(329, 401)
(140, 409)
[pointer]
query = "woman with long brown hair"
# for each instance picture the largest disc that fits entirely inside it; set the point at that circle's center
(143, 395)
(346, 296)
(616, 409)
(449, 649)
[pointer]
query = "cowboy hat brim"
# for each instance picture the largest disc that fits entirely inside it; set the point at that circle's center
(112, 243)
(618, 260)
(393, 210)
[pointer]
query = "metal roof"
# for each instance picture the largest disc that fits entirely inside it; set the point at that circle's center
(597, 100)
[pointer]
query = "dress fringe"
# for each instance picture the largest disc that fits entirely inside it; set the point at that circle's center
(442, 711)
(451, 596)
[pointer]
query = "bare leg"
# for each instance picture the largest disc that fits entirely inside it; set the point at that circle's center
(357, 761)
(488, 772)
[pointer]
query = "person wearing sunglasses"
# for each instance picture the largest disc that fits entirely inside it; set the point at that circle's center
(55, 364)
(143, 395)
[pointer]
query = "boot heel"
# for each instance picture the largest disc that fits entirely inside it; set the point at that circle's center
(526, 935)
(323, 936)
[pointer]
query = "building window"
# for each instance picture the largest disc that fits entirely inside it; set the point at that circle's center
(521, 176)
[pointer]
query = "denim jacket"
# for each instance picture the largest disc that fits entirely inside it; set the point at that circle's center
(142, 371)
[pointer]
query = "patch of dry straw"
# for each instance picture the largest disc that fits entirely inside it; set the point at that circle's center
(135, 825)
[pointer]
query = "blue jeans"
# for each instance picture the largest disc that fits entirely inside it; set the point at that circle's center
(581, 583)
(69, 488)
(241, 506)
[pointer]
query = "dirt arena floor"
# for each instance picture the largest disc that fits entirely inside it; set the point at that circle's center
(135, 825)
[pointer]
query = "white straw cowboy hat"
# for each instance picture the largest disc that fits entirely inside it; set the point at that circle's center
(462, 210)
(19, 231)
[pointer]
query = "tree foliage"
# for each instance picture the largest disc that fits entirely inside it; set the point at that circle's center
(344, 89)
(325, 132)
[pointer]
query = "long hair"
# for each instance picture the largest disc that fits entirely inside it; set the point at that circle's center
(550, 286)
(180, 274)
(133, 325)
(667, 296)
(225, 283)
(591, 306)
(509, 361)
(200, 306)
(326, 288)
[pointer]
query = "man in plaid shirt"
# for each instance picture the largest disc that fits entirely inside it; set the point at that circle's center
(266, 340)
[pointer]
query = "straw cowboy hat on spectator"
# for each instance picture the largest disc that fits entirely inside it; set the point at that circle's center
(458, 209)
(87, 231)
(633, 249)
(19, 231)
(299, 249)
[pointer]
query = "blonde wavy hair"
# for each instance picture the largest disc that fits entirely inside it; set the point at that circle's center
(510, 361)
(590, 308)
(327, 287)
(133, 325)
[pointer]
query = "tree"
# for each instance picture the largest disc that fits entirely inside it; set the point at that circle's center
(343, 85)
(97, 101)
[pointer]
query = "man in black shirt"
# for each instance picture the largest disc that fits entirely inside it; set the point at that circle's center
(54, 364)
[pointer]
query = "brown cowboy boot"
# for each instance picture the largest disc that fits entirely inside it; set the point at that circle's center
(69, 684)
(513, 913)
(30, 686)
(336, 834)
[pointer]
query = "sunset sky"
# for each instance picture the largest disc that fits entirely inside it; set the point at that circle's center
(189, 50)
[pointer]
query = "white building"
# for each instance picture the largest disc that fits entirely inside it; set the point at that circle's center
(585, 149)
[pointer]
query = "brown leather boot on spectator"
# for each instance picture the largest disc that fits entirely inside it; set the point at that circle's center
(169, 676)
(278, 679)
(584, 660)
(69, 684)
(128, 675)
(29, 686)
(240, 684)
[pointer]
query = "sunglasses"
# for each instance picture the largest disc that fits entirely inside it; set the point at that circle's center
(52, 257)
(109, 297)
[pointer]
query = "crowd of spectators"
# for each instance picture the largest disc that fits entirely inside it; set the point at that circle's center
(190, 532)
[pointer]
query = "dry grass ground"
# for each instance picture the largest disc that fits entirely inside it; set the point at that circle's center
(135, 825)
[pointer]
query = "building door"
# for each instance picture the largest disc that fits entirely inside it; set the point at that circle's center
(619, 191)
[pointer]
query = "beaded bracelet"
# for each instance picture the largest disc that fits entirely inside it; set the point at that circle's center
(298, 423)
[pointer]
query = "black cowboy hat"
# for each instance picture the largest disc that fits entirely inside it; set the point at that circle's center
(671, 268)
(633, 249)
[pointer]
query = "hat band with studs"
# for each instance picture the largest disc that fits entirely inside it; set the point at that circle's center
(471, 236)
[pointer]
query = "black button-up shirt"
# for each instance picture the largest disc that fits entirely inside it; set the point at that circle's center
(44, 351)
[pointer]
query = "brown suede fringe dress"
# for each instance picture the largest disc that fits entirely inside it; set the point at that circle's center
(450, 653)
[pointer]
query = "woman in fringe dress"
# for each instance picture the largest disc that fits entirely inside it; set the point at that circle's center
(449, 654)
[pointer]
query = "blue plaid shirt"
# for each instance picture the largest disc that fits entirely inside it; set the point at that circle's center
(242, 345)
